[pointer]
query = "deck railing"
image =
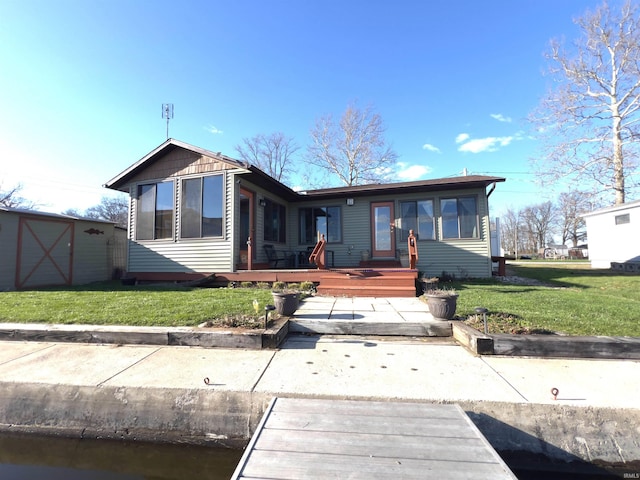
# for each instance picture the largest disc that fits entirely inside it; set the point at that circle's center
(318, 254)
(413, 250)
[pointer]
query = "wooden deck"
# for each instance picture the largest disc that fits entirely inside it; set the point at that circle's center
(347, 282)
(319, 439)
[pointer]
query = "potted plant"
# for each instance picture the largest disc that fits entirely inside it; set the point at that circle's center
(428, 283)
(285, 299)
(442, 303)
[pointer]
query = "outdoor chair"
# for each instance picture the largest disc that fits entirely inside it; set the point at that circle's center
(275, 257)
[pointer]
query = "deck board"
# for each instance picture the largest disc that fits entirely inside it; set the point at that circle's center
(317, 439)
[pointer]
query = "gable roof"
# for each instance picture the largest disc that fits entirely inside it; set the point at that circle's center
(262, 179)
(160, 151)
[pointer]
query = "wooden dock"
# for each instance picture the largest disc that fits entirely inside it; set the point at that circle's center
(319, 439)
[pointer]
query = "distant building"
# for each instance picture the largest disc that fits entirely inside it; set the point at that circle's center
(613, 234)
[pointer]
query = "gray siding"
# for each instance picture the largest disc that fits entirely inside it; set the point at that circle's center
(461, 257)
(8, 250)
(185, 255)
(91, 260)
(77, 255)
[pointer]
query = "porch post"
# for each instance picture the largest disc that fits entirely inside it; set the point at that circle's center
(249, 254)
(413, 250)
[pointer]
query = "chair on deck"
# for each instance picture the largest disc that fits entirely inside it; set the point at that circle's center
(275, 257)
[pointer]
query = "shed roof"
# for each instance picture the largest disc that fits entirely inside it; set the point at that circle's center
(36, 213)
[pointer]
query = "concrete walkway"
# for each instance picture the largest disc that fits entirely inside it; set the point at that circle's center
(343, 367)
(596, 413)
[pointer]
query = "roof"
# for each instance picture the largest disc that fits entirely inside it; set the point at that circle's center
(157, 153)
(25, 211)
(613, 208)
(436, 184)
(262, 179)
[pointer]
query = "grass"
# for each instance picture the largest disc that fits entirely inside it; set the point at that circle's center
(576, 301)
(110, 303)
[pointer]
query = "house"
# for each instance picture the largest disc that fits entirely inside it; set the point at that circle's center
(613, 234)
(193, 211)
(45, 249)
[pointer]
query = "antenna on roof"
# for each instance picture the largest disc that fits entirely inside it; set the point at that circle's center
(167, 112)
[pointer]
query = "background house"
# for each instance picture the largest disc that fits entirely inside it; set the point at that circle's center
(43, 249)
(613, 235)
(192, 212)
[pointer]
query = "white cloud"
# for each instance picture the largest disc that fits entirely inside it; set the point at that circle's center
(431, 148)
(412, 172)
(462, 137)
(487, 144)
(214, 130)
(501, 118)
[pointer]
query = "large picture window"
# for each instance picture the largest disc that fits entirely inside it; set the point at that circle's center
(274, 222)
(326, 220)
(418, 216)
(459, 217)
(201, 213)
(154, 218)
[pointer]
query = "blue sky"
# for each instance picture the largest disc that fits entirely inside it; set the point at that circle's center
(82, 83)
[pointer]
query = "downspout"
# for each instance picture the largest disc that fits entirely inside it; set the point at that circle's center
(493, 187)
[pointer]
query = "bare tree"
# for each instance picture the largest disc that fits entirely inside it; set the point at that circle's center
(538, 222)
(272, 154)
(111, 209)
(11, 198)
(589, 123)
(510, 235)
(353, 149)
(571, 205)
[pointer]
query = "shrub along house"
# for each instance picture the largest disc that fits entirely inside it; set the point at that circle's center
(193, 211)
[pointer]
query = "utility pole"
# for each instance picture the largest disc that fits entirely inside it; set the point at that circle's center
(167, 112)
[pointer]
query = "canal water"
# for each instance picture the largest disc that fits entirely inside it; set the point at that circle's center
(30, 457)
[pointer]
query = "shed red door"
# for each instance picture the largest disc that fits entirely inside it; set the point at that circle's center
(45, 253)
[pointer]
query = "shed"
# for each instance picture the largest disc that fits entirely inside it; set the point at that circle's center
(40, 249)
(613, 234)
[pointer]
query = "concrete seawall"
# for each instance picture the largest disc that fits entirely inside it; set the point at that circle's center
(158, 393)
(563, 433)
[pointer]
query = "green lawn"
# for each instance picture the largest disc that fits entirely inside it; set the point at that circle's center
(581, 301)
(110, 303)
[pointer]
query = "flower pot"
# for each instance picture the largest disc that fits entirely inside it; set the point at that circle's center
(286, 303)
(428, 284)
(442, 306)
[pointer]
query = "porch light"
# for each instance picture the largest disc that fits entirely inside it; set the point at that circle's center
(262, 202)
(349, 201)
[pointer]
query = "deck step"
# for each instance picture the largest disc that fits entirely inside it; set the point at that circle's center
(369, 284)
(362, 291)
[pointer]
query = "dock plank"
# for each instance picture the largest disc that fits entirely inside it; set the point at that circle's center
(314, 439)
